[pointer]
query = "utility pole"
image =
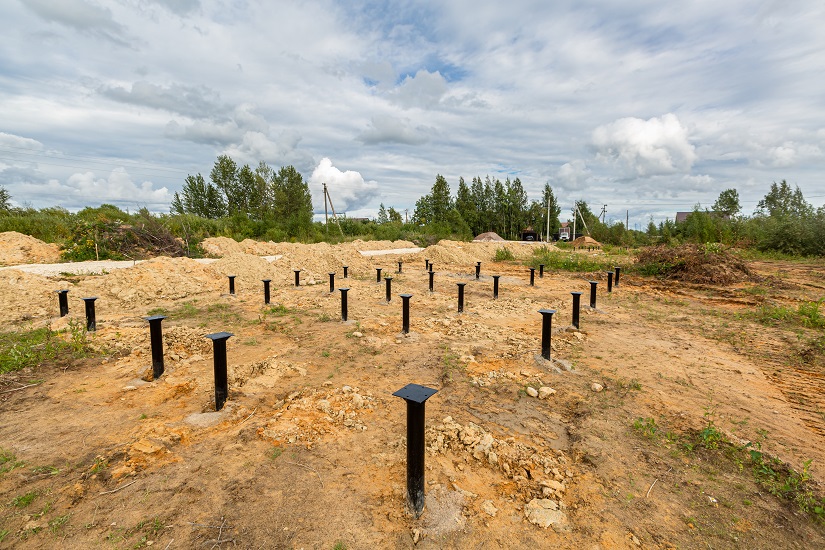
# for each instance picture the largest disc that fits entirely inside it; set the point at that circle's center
(627, 220)
(604, 212)
(327, 197)
(547, 235)
(326, 215)
(575, 216)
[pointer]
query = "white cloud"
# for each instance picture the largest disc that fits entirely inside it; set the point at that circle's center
(283, 151)
(192, 101)
(348, 189)
(179, 7)
(646, 147)
(423, 90)
(87, 188)
(80, 15)
(572, 176)
(389, 129)
(18, 142)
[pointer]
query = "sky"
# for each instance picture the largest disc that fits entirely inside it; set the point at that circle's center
(645, 107)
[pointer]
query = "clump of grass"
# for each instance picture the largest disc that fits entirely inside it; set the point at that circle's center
(807, 314)
(29, 348)
(568, 261)
(504, 255)
(21, 501)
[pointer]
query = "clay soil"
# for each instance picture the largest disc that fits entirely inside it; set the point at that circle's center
(310, 449)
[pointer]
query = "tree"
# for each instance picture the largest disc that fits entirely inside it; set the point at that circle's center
(224, 176)
(465, 205)
(434, 207)
(382, 215)
(727, 203)
(549, 202)
(781, 201)
(516, 207)
(293, 202)
(442, 203)
(199, 198)
(394, 215)
(5, 199)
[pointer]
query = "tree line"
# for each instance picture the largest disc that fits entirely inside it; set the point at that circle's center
(268, 204)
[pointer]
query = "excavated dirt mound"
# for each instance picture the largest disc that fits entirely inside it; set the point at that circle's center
(220, 246)
(157, 279)
(696, 264)
(26, 295)
(249, 269)
(468, 253)
(490, 236)
(358, 244)
(16, 249)
(223, 246)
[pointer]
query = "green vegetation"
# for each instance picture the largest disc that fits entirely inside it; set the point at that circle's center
(710, 443)
(569, 261)
(807, 314)
(21, 501)
(29, 348)
(504, 255)
(267, 204)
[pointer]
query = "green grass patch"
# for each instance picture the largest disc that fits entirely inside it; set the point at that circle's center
(807, 314)
(21, 501)
(570, 261)
(504, 255)
(29, 348)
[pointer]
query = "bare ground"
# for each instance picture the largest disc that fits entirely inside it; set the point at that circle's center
(310, 450)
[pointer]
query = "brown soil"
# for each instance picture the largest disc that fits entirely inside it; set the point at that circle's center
(16, 249)
(310, 450)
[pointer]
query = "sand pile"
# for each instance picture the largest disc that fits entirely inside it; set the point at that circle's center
(467, 254)
(221, 246)
(490, 236)
(317, 260)
(17, 248)
(249, 270)
(158, 279)
(260, 248)
(26, 295)
(358, 244)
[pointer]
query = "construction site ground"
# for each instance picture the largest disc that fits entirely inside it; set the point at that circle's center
(310, 449)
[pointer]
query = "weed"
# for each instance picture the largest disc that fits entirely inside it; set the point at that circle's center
(29, 348)
(504, 255)
(569, 261)
(710, 435)
(275, 453)
(324, 318)
(22, 501)
(325, 353)
(277, 311)
(339, 546)
(450, 365)
(3, 534)
(809, 314)
(646, 427)
(8, 461)
(100, 464)
(56, 524)
(51, 470)
(251, 342)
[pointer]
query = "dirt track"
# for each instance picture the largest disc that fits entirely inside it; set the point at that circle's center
(310, 450)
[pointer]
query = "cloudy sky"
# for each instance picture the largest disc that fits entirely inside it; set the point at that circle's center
(644, 106)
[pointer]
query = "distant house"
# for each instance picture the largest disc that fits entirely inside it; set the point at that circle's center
(564, 232)
(529, 234)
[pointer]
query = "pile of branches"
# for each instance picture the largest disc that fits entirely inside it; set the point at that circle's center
(702, 264)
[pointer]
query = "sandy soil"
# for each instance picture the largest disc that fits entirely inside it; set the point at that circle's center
(309, 451)
(16, 248)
